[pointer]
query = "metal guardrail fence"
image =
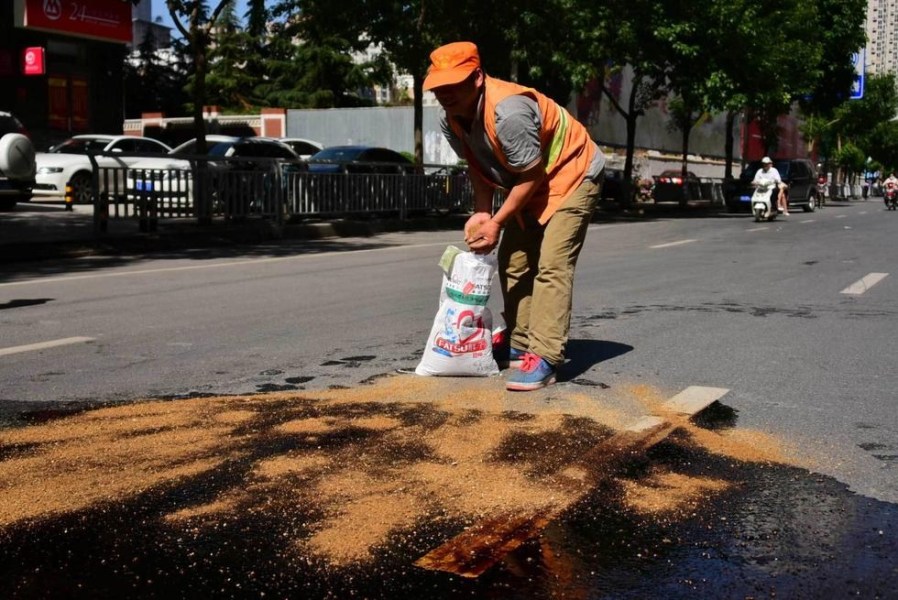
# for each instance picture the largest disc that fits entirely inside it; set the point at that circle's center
(236, 189)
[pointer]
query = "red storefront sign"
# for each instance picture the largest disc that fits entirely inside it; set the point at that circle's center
(33, 61)
(108, 20)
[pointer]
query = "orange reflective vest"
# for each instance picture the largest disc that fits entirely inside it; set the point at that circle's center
(566, 147)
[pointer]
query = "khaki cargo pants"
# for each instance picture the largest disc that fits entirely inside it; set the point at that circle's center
(536, 271)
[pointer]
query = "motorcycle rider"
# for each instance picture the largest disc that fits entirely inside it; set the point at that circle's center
(889, 184)
(766, 173)
(822, 185)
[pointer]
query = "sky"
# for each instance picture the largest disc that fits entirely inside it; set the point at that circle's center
(159, 10)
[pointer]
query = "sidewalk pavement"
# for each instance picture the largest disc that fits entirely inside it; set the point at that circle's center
(44, 229)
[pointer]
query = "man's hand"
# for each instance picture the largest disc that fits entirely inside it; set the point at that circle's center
(482, 233)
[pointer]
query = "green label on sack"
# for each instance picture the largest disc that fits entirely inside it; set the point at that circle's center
(463, 298)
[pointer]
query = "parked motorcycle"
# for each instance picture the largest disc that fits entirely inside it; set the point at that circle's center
(890, 196)
(761, 201)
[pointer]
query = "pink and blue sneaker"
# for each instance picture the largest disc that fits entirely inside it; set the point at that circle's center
(533, 374)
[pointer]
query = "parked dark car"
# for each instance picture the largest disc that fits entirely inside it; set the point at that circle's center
(17, 165)
(798, 173)
(671, 186)
(245, 177)
(171, 176)
(366, 180)
(359, 159)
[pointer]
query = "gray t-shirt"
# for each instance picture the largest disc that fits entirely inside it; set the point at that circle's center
(518, 123)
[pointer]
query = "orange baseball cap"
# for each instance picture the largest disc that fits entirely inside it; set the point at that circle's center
(451, 64)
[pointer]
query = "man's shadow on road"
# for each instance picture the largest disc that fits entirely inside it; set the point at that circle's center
(584, 354)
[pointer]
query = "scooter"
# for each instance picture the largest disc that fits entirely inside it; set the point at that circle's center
(821, 191)
(890, 196)
(761, 205)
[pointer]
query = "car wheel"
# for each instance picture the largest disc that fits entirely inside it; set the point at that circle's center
(7, 203)
(81, 188)
(811, 206)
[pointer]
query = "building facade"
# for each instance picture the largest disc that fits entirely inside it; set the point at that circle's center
(61, 65)
(882, 37)
(143, 26)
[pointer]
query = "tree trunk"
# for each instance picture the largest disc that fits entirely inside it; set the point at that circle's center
(418, 85)
(687, 127)
(631, 116)
(199, 87)
(202, 199)
(728, 150)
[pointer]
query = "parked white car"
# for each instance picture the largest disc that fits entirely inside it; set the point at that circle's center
(170, 174)
(170, 178)
(67, 164)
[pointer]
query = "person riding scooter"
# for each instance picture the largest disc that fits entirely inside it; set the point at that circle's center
(890, 191)
(822, 186)
(767, 175)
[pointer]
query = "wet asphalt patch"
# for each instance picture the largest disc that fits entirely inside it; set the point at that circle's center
(778, 531)
(678, 522)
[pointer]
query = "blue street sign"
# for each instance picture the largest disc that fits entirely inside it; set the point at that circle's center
(857, 87)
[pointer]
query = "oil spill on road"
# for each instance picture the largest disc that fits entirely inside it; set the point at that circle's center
(779, 531)
(335, 493)
(275, 387)
(804, 312)
(590, 383)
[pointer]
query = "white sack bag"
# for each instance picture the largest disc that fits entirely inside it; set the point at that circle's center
(461, 339)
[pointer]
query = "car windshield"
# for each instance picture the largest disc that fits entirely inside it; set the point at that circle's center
(220, 149)
(337, 154)
(781, 166)
(81, 145)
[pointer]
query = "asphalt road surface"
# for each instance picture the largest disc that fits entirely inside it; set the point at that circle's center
(797, 318)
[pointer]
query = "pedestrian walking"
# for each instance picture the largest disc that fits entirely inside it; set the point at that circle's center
(517, 139)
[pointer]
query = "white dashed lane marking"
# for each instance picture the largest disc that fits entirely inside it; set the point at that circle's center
(808, 221)
(840, 216)
(669, 244)
(862, 285)
(757, 229)
(44, 345)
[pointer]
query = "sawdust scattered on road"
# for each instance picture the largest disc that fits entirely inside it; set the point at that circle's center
(363, 465)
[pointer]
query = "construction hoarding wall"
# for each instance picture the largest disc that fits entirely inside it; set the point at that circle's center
(389, 127)
(653, 129)
(393, 127)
